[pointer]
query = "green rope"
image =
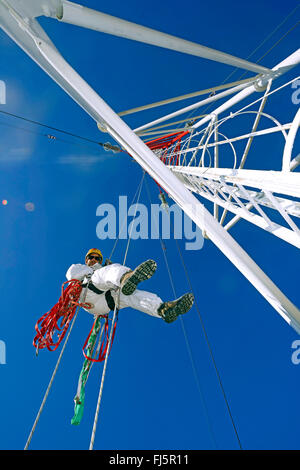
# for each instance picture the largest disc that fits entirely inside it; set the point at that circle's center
(80, 396)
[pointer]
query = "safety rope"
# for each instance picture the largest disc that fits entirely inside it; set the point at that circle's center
(197, 380)
(112, 327)
(206, 339)
(106, 146)
(210, 351)
(50, 384)
(102, 379)
(267, 38)
(124, 221)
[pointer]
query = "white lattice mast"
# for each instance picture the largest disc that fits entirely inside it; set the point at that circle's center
(18, 20)
(247, 192)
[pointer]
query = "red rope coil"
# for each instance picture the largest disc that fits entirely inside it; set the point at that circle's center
(59, 317)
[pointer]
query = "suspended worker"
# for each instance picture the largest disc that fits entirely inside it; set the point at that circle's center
(102, 284)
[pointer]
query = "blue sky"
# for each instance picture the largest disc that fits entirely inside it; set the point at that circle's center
(154, 396)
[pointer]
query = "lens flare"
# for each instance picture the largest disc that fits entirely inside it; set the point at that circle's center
(29, 206)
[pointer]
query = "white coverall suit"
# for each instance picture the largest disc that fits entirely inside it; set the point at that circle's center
(107, 278)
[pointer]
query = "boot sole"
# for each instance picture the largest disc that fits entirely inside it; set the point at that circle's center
(143, 272)
(183, 305)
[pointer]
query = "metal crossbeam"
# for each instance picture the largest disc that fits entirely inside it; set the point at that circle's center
(274, 181)
(217, 192)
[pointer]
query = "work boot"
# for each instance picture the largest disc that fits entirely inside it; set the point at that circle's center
(170, 311)
(131, 279)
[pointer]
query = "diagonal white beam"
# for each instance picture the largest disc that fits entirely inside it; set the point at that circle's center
(82, 16)
(57, 68)
(184, 97)
(196, 105)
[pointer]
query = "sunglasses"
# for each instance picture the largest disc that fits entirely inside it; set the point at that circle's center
(97, 258)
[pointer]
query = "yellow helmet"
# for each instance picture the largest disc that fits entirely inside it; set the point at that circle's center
(94, 251)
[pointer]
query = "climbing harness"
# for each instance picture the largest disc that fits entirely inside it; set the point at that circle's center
(108, 297)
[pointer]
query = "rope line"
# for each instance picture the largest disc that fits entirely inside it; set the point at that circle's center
(102, 380)
(38, 123)
(258, 47)
(124, 221)
(189, 349)
(164, 249)
(210, 350)
(206, 339)
(273, 32)
(93, 435)
(50, 384)
(279, 40)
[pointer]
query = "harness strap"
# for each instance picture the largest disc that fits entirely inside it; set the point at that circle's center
(92, 287)
(108, 297)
